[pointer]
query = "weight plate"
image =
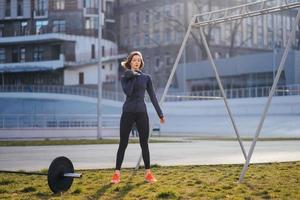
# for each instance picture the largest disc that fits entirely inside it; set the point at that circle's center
(56, 181)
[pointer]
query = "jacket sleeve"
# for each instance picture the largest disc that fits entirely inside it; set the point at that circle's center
(153, 98)
(128, 82)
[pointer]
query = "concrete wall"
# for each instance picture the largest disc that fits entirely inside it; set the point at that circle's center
(197, 118)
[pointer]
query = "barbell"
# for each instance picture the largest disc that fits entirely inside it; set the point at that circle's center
(60, 174)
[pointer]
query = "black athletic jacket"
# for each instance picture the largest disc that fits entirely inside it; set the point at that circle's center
(134, 86)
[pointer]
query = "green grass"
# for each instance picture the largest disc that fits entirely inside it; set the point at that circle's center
(262, 181)
(70, 142)
(116, 141)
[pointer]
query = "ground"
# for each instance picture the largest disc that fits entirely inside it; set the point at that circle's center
(262, 181)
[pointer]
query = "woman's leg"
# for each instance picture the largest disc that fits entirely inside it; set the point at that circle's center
(126, 123)
(142, 123)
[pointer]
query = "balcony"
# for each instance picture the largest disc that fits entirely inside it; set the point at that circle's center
(36, 38)
(33, 66)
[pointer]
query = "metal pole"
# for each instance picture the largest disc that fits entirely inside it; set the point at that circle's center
(177, 61)
(222, 90)
(280, 68)
(172, 74)
(99, 103)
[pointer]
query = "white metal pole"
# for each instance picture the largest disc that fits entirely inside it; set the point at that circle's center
(99, 102)
(172, 74)
(280, 68)
(177, 61)
(222, 90)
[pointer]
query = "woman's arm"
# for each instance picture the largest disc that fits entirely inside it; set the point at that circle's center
(153, 98)
(128, 82)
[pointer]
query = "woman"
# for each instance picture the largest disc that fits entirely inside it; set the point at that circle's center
(135, 83)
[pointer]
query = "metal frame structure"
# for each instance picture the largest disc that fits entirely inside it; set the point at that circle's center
(226, 15)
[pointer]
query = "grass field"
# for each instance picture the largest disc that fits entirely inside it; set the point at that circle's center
(262, 181)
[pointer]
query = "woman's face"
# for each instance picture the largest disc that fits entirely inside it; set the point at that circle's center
(135, 62)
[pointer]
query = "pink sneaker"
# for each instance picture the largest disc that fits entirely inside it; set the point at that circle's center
(149, 177)
(116, 178)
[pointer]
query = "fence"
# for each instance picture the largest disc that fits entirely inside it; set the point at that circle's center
(287, 90)
(252, 92)
(60, 89)
(9, 121)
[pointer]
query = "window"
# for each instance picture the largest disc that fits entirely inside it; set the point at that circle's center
(20, 8)
(147, 17)
(216, 35)
(157, 16)
(40, 7)
(7, 8)
(103, 66)
(103, 51)
(23, 54)
(167, 11)
(93, 51)
(90, 4)
(41, 26)
(168, 36)
(168, 59)
(109, 9)
(157, 37)
(24, 28)
(146, 39)
(2, 55)
(1, 30)
(157, 62)
(38, 53)
(15, 55)
(110, 67)
(91, 23)
(136, 40)
(249, 32)
(228, 34)
(178, 35)
(178, 10)
(81, 78)
(59, 26)
(58, 4)
(137, 18)
(260, 33)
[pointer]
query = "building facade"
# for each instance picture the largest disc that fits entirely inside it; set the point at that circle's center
(55, 42)
(157, 29)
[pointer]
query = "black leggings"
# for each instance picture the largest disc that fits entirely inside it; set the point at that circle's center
(142, 124)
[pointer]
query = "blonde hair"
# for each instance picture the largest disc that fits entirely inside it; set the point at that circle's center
(126, 63)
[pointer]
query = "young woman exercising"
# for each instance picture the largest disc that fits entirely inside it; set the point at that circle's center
(135, 83)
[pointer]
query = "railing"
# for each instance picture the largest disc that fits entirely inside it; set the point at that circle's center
(288, 90)
(250, 92)
(60, 89)
(36, 121)
(15, 121)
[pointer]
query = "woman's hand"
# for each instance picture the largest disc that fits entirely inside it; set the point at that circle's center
(134, 72)
(162, 120)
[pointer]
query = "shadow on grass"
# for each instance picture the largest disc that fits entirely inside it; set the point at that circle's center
(129, 186)
(122, 191)
(101, 191)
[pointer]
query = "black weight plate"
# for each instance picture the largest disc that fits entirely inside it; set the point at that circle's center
(56, 181)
